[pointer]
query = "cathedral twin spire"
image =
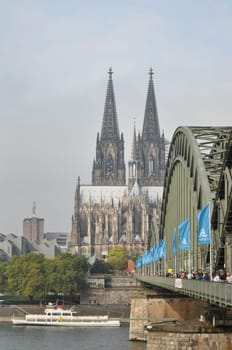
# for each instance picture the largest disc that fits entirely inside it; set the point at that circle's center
(110, 129)
(94, 225)
(151, 130)
(147, 158)
(109, 166)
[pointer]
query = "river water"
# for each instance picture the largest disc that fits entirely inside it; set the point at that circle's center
(52, 338)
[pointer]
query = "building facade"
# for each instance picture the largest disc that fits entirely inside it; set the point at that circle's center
(33, 227)
(110, 213)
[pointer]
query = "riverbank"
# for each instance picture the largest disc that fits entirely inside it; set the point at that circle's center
(121, 312)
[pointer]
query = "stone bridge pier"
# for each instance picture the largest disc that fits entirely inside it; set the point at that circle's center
(178, 323)
(150, 310)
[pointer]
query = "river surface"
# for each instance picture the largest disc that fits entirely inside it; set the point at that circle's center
(52, 338)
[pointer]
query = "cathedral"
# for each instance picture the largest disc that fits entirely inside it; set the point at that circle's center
(113, 212)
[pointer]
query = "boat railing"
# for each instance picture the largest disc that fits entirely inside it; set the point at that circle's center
(20, 309)
(100, 317)
(46, 318)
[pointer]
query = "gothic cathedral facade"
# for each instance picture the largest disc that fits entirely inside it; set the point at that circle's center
(110, 213)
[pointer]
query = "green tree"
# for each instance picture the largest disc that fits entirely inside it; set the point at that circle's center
(134, 255)
(34, 275)
(118, 258)
(27, 275)
(3, 277)
(100, 266)
(67, 274)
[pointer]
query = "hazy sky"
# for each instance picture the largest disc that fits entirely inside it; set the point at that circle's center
(54, 59)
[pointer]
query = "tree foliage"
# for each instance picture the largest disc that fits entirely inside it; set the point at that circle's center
(3, 277)
(118, 258)
(33, 274)
(27, 275)
(100, 266)
(134, 255)
(67, 274)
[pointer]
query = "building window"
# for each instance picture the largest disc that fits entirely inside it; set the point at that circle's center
(109, 164)
(151, 165)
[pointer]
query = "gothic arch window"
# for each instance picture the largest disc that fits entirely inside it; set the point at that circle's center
(110, 180)
(151, 165)
(132, 169)
(109, 164)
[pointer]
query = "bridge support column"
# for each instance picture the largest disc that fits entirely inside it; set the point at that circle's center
(147, 310)
(188, 339)
(228, 253)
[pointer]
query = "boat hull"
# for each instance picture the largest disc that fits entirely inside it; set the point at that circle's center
(86, 324)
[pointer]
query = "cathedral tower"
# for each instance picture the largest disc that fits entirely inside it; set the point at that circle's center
(133, 165)
(147, 164)
(109, 165)
(75, 233)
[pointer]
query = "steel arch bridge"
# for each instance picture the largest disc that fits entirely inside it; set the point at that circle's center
(198, 172)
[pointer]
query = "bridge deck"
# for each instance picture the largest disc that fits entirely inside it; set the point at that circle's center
(216, 293)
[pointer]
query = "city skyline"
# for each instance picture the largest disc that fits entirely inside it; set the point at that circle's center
(55, 57)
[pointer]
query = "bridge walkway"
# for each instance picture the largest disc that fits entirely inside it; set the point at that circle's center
(216, 293)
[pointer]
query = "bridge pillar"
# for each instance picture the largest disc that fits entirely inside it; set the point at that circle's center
(228, 253)
(147, 309)
(187, 339)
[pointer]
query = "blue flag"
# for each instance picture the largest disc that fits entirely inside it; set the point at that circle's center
(203, 233)
(156, 254)
(149, 256)
(162, 249)
(174, 243)
(144, 259)
(184, 235)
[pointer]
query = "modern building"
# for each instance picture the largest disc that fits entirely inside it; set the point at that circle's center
(33, 227)
(61, 239)
(12, 245)
(110, 213)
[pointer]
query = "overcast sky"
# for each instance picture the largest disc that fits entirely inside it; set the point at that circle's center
(54, 59)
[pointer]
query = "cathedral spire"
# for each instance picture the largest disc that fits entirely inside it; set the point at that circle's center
(133, 162)
(109, 166)
(110, 129)
(133, 150)
(151, 130)
(150, 146)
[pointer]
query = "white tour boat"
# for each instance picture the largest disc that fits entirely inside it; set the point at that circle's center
(64, 318)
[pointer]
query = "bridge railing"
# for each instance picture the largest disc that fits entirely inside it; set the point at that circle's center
(216, 293)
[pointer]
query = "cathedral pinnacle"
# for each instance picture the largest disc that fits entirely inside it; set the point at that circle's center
(151, 73)
(110, 73)
(151, 130)
(133, 150)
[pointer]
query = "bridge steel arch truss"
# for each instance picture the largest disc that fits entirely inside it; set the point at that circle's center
(198, 172)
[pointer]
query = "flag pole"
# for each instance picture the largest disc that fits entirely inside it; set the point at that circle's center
(189, 262)
(165, 266)
(210, 248)
(175, 254)
(165, 261)
(175, 265)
